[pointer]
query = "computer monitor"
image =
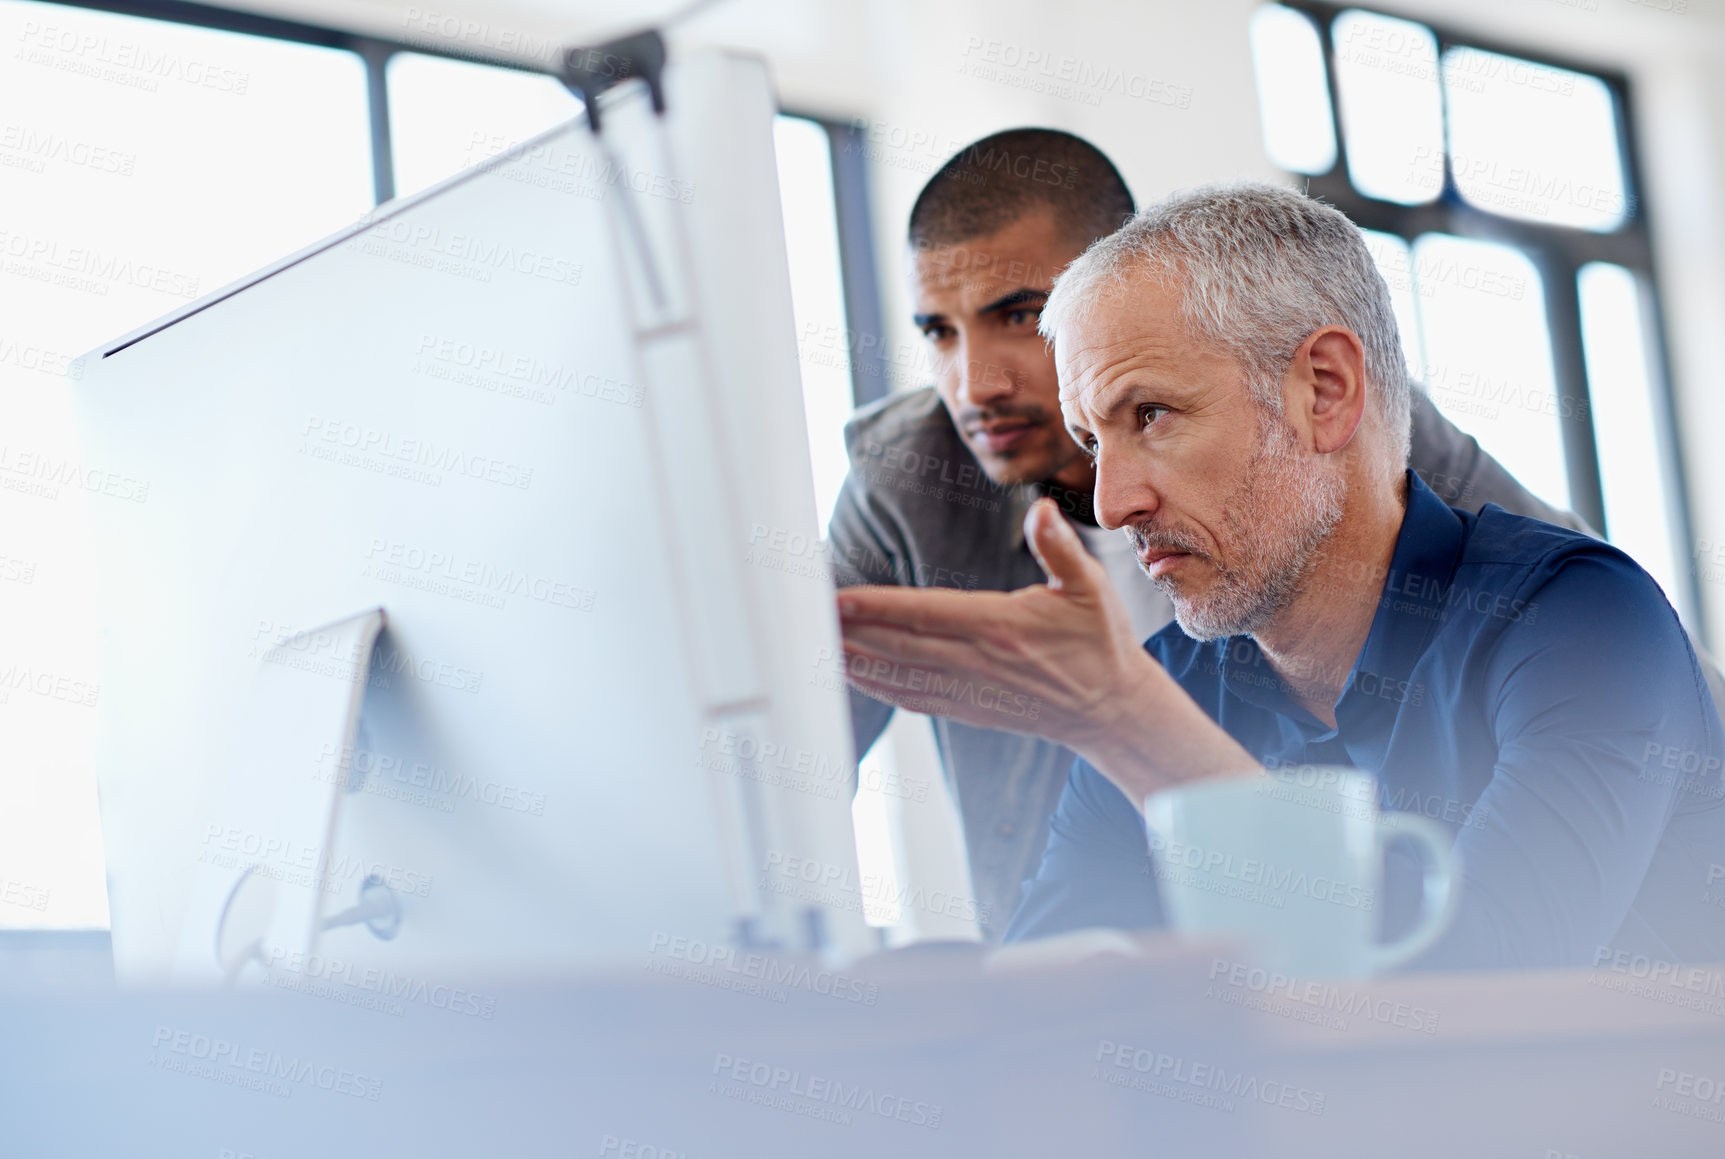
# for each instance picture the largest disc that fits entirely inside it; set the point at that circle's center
(546, 416)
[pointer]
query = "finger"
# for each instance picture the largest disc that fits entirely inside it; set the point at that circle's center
(883, 643)
(931, 611)
(1058, 549)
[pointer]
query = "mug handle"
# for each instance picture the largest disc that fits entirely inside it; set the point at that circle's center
(1438, 900)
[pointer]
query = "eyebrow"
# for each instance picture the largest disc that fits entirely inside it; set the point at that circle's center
(1119, 396)
(1023, 296)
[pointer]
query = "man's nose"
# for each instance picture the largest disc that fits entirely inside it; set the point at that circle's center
(1125, 493)
(983, 381)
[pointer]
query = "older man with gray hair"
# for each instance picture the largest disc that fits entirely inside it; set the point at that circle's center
(1229, 360)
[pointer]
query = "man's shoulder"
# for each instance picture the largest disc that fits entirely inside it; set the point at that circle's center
(915, 419)
(1504, 539)
(1522, 582)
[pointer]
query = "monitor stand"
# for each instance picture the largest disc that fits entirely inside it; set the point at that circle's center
(264, 885)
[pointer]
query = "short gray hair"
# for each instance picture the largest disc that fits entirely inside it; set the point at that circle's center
(1258, 268)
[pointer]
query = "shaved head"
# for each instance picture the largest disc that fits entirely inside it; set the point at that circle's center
(988, 185)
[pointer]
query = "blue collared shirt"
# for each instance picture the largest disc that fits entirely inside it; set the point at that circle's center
(1526, 686)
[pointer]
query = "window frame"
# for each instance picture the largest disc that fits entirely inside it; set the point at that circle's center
(1558, 252)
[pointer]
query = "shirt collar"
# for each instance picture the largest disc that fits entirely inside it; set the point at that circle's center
(1412, 598)
(1415, 594)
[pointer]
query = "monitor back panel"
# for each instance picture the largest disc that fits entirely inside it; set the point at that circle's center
(450, 412)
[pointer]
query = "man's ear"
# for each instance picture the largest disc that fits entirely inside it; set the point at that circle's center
(1333, 363)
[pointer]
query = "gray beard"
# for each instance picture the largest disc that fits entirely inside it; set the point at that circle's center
(1279, 518)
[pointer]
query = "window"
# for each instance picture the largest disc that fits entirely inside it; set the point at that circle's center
(445, 115)
(147, 160)
(1392, 109)
(142, 164)
(806, 194)
(1495, 190)
(1293, 100)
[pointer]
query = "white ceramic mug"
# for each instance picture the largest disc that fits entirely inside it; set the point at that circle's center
(1292, 863)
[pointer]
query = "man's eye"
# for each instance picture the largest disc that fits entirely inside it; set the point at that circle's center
(1022, 317)
(1150, 413)
(937, 332)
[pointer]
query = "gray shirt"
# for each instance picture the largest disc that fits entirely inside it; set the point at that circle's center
(918, 509)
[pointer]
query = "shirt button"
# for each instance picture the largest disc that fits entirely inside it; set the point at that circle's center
(1006, 829)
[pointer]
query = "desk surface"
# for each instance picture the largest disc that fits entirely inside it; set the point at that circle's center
(918, 1053)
